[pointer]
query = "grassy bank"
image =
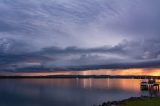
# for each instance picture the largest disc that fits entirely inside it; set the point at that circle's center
(135, 101)
(143, 102)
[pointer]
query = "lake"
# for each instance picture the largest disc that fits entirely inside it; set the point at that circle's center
(66, 92)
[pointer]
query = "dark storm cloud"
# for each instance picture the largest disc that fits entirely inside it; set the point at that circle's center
(71, 50)
(13, 59)
(136, 64)
(71, 33)
(72, 58)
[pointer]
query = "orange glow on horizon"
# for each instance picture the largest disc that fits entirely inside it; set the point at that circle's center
(140, 71)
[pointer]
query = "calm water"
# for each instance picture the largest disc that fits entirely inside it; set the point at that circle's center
(66, 92)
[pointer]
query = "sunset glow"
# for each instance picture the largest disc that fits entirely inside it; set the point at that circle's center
(147, 72)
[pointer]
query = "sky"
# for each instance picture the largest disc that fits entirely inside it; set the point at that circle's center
(37, 35)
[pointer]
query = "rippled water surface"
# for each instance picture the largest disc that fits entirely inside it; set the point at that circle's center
(66, 92)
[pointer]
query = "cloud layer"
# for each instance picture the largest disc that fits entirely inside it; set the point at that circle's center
(69, 33)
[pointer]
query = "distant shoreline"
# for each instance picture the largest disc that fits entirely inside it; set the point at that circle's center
(81, 76)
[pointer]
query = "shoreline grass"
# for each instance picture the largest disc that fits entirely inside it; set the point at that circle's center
(135, 101)
(150, 101)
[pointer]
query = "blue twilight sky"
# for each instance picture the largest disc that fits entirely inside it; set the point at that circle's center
(61, 34)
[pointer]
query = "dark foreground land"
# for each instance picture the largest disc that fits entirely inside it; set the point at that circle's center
(135, 101)
(83, 76)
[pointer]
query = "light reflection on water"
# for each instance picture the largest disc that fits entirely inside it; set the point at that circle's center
(66, 92)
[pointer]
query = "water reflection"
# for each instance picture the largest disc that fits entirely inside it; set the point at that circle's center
(121, 84)
(66, 92)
